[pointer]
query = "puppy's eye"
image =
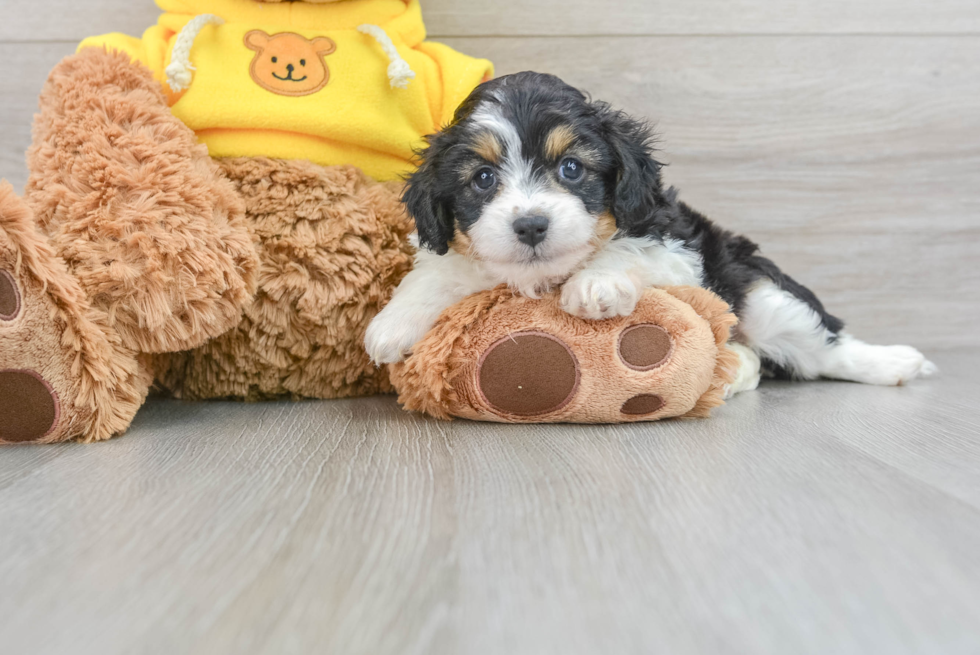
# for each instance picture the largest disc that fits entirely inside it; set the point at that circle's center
(485, 179)
(571, 169)
(302, 62)
(275, 60)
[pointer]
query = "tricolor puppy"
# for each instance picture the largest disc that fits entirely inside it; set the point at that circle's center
(536, 186)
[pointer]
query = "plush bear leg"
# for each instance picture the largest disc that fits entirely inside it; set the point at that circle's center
(142, 216)
(498, 356)
(333, 245)
(64, 374)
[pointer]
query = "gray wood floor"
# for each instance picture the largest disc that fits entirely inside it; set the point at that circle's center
(818, 518)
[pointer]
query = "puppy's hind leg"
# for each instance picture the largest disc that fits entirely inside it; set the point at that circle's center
(749, 370)
(792, 336)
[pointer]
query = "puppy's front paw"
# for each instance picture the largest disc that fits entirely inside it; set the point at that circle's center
(390, 337)
(593, 294)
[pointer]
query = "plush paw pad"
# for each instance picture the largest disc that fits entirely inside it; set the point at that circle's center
(528, 374)
(642, 404)
(9, 297)
(644, 347)
(28, 405)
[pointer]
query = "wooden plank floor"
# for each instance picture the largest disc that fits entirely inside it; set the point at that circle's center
(818, 518)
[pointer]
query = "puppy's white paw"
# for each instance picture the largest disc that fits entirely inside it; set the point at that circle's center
(749, 371)
(595, 295)
(928, 370)
(891, 365)
(390, 337)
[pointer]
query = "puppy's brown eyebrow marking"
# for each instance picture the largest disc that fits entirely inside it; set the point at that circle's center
(605, 228)
(587, 155)
(558, 141)
(462, 243)
(487, 146)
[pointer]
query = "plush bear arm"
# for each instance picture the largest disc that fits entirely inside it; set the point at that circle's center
(142, 216)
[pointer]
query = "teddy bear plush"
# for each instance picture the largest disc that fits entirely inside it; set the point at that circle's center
(215, 206)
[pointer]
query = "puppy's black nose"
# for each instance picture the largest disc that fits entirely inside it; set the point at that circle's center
(531, 229)
(290, 68)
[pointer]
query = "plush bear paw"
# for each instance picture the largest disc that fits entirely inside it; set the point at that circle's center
(61, 377)
(497, 356)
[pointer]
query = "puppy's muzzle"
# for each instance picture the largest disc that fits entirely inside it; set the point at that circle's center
(531, 230)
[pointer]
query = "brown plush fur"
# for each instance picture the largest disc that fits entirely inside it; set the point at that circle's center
(141, 244)
(142, 216)
(719, 316)
(333, 245)
(99, 383)
(440, 377)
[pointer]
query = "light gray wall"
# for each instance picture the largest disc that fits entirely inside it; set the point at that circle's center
(843, 136)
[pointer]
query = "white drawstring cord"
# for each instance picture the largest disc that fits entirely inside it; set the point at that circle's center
(399, 72)
(179, 76)
(179, 70)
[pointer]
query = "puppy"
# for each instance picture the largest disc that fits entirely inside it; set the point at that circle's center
(536, 186)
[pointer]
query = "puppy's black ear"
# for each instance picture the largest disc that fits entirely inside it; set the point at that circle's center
(432, 213)
(636, 189)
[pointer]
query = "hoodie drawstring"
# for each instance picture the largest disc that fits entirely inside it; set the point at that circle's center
(179, 70)
(179, 75)
(399, 72)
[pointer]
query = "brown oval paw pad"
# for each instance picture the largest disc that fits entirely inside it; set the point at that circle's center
(646, 403)
(645, 347)
(28, 405)
(9, 297)
(528, 374)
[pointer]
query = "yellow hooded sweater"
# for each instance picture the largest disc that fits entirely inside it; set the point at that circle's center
(351, 82)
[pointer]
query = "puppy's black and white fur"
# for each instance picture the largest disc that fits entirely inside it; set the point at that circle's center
(536, 186)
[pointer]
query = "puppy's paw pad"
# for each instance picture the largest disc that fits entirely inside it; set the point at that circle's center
(595, 295)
